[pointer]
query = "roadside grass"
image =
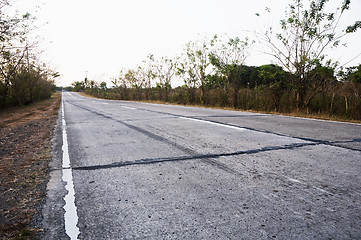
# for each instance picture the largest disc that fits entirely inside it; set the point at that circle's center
(25, 151)
(291, 114)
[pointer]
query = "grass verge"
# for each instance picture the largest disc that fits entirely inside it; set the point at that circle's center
(25, 151)
(292, 114)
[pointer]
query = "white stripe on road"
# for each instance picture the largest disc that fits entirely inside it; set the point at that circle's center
(70, 216)
(129, 108)
(99, 101)
(215, 123)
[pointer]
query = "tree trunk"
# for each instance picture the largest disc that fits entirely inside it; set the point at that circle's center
(202, 95)
(346, 103)
(298, 100)
(333, 97)
(235, 98)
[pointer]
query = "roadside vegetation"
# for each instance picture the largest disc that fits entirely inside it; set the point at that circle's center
(25, 152)
(23, 77)
(26, 125)
(214, 71)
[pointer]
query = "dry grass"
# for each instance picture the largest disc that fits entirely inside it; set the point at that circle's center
(292, 114)
(25, 151)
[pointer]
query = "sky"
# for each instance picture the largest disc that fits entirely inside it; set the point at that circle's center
(97, 39)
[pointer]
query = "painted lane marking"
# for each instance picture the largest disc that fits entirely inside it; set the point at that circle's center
(215, 123)
(235, 111)
(129, 107)
(316, 119)
(70, 215)
(99, 101)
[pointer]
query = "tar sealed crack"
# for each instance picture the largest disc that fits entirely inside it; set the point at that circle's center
(207, 157)
(191, 154)
(316, 141)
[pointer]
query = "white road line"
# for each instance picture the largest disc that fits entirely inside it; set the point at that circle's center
(70, 216)
(318, 120)
(214, 123)
(129, 108)
(99, 101)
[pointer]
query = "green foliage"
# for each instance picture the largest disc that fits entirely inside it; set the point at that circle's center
(270, 89)
(103, 86)
(215, 74)
(302, 44)
(23, 79)
(79, 86)
(269, 74)
(26, 86)
(354, 27)
(352, 74)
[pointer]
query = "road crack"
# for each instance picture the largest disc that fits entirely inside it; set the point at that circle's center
(190, 154)
(206, 157)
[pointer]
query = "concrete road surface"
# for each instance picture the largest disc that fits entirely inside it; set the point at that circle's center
(125, 170)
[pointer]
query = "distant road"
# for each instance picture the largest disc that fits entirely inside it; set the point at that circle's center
(150, 171)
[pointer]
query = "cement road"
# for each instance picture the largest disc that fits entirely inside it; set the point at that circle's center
(150, 171)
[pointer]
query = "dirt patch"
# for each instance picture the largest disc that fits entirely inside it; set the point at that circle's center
(25, 152)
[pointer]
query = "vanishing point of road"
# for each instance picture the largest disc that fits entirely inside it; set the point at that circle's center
(129, 170)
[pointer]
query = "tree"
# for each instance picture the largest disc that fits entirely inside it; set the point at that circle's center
(78, 86)
(196, 65)
(23, 78)
(147, 73)
(228, 60)
(14, 43)
(133, 79)
(352, 74)
(305, 36)
(164, 71)
(227, 57)
(120, 84)
(103, 86)
(321, 79)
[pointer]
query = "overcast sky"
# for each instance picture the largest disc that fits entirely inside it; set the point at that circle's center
(101, 37)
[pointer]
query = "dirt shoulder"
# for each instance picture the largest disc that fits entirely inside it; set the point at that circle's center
(25, 152)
